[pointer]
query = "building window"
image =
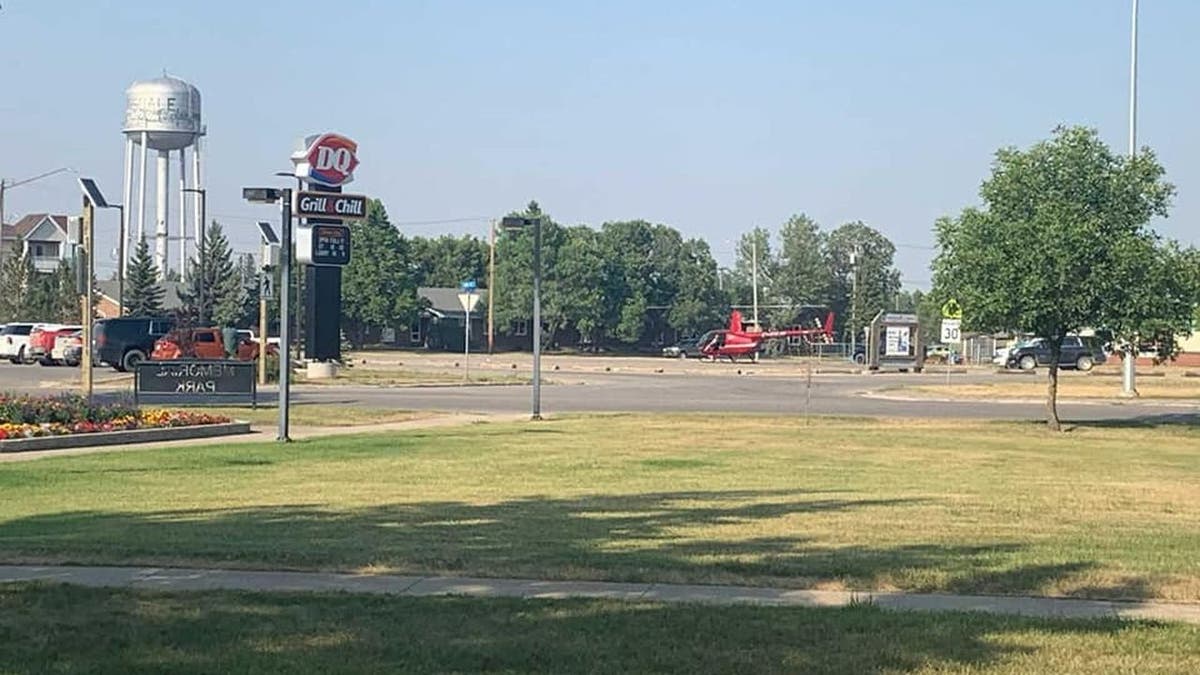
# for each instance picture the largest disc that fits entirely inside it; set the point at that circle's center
(37, 251)
(414, 333)
(520, 328)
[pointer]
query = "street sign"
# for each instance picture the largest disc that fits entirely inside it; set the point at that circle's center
(468, 285)
(329, 205)
(468, 301)
(951, 331)
(323, 245)
(951, 309)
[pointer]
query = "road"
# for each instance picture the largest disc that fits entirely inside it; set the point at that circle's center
(716, 391)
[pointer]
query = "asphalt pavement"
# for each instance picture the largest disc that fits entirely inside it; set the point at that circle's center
(736, 389)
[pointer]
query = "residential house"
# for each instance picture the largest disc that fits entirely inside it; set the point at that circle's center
(42, 236)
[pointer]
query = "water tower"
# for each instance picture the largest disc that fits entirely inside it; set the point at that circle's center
(162, 115)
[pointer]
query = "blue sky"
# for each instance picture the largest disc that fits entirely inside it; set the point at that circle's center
(712, 117)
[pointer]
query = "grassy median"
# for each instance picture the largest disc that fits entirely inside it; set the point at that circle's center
(59, 629)
(925, 506)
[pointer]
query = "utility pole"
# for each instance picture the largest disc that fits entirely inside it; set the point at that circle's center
(85, 358)
(754, 277)
(262, 325)
(491, 327)
(854, 301)
(1129, 370)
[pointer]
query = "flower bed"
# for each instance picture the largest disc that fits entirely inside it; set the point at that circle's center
(31, 417)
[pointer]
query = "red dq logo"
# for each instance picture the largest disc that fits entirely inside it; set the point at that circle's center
(332, 159)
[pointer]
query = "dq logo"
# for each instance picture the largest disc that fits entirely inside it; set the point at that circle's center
(331, 160)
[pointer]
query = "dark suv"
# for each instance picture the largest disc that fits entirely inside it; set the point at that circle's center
(1074, 352)
(122, 343)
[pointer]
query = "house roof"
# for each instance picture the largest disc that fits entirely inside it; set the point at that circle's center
(443, 300)
(171, 300)
(23, 227)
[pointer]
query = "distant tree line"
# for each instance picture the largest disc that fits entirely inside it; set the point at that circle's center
(625, 282)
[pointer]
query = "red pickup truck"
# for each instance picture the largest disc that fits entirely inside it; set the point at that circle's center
(201, 343)
(41, 343)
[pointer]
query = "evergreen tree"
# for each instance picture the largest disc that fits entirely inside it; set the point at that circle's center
(66, 293)
(212, 292)
(16, 272)
(143, 293)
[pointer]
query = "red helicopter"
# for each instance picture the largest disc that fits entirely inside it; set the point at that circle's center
(740, 340)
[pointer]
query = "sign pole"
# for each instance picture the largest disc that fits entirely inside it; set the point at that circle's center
(262, 326)
(467, 343)
(85, 359)
(285, 267)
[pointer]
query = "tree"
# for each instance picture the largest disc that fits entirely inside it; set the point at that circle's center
(699, 302)
(447, 261)
(878, 280)
(16, 275)
(143, 293)
(753, 246)
(212, 292)
(377, 286)
(1061, 244)
(801, 275)
(66, 294)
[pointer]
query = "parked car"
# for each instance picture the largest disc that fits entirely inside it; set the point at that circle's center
(42, 339)
(683, 349)
(202, 343)
(68, 348)
(14, 341)
(1077, 352)
(124, 342)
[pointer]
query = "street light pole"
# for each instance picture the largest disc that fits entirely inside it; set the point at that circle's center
(1129, 369)
(285, 266)
(201, 253)
(537, 319)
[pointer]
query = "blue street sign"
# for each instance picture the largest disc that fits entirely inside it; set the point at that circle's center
(468, 285)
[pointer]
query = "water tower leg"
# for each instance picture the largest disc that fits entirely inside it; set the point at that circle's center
(142, 187)
(198, 216)
(123, 265)
(182, 213)
(161, 245)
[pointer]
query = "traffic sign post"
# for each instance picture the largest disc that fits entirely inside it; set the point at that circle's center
(951, 331)
(468, 299)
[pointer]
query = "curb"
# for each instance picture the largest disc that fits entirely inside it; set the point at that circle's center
(103, 438)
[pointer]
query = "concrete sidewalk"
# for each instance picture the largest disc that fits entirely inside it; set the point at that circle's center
(179, 579)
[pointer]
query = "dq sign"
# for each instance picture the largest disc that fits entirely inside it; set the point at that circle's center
(327, 159)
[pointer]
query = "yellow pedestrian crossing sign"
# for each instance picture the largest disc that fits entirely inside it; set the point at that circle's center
(951, 309)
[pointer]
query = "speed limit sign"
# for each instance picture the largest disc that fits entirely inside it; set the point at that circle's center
(951, 333)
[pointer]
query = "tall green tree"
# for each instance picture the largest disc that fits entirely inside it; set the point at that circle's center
(699, 304)
(212, 292)
(143, 292)
(801, 275)
(66, 294)
(514, 274)
(1061, 243)
(753, 258)
(16, 278)
(878, 280)
(377, 285)
(447, 261)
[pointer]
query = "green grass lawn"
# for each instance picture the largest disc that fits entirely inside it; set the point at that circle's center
(62, 629)
(924, 506)
(320, 415)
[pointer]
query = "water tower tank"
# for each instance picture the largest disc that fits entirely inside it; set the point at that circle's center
(167, 109)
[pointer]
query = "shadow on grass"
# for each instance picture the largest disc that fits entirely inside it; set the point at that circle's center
(740, 536)
(50, 628)
(1156, 421)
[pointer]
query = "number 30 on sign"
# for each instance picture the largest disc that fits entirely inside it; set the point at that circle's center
(950, 331)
